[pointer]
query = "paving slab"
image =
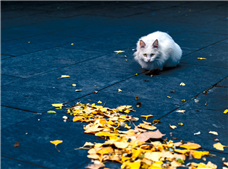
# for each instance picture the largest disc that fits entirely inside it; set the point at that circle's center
(195, 77)
(37, 93)
(50, 26)
(12, 163)
(12, 116)
(6, 79)
(223, 83)
(213, 57)
(36, 63)
(35, 43)
(192, 41)
(210, 117)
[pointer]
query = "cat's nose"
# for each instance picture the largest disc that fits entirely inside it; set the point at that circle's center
(148, 60)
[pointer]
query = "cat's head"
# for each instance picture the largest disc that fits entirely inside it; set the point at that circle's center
(148, 52)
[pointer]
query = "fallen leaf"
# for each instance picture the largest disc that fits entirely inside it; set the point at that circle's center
(190, 145)
(99, 101)
(198, 133)
(74, 85)
(148, 135)
(173, 91)
(105, 150)
(154, 156)
(182, 84)
(56, 142)
(119, 51)
(147, 116)
(201, 58)
(225, 111)
(219, 146)
(64, 76)
(17, 144)
(181, 111)
(78, 90)
(180, 124)
(199, 154)
(156, 121)
(172, 126)
(183, 100)
(148, 127)
(225, 163)
(119, 90)
(136, 74)
(138, 104)
(121, 145)
(213, 132)
(137, 98)
(72, 44)
(88, 144)
(51, 111)
(135, 165)
(169, 97)
(95, 166)
(211, 165)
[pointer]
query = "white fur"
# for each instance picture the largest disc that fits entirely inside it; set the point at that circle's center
(168, 53)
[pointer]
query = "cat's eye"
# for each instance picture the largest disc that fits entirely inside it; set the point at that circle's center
(151, 54)
(145, 55)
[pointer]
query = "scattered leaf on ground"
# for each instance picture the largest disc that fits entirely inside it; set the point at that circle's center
(95, 166)
(138, 104)
(74, 85)
(51, 111)
(213, 132)
(17, 144)
(225, 111)
(56, 142)
(180, 124)
(147, 135)
(169, 97)
(119, 51)
(173, 91)
(64, 76)
(137, 98)
(147, 116)
(99, 101)
(119, 90)
(190, 145)
(181, 111)
(219, 146)
(198, 133)
(201, 58)
(182, 84)
(172, 126)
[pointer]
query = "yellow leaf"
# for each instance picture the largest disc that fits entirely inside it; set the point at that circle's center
(156, 165)
(182, 84)
(127, 111)
(148, 127)
(225, 163)
(190, 145)
(119, 90)
(199, 154)
(169, 97)
(201, 58)
(127, 127)
(219, 146)
(225, 111)
(154, 156)
(77, 119)
(64, 76)
(105, 134)
(135, 165)
(181, 151)
(119, 51)
(121, 145)
(88, 144)
(136, 74)
(74, 85)
(172, 126)
(180, 124)
(147, 116)
(58, 105)
(56, 142)
(211, 165)
(51, 111)
(213, 132)
(183, 100)
(105, 150)
(135, 153)
(181, 111)
(99, 101)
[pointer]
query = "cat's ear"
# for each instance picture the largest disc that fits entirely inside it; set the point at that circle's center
(142, 44)
(155, 44)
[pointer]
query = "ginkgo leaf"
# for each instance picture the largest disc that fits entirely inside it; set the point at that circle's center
(219, 146)
(182, 84)
(180, 124)
(181, 111)
(147, 135)
(198, 133)
(119, 90)
(172, 126)
(56, 142)
(99, 101)
(95, 166)
(154, 156)
(121, 145)
(190, 145)
(57, 105)
(148, 127)
(135, 165)
(88, 144)
(147, 116)
(74, 85)
(77, 119)
(211, 165)
(105, 150)
(64, 76)
(51, 111)
(225, 163)
(201, 58)
(199, 154)
(225, 111)
(169, 97)
(119, 51)
(213, 132)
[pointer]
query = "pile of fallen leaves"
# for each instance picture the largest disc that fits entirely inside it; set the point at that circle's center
(138, 148)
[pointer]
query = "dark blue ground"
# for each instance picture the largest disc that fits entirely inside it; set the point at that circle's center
(36, 49)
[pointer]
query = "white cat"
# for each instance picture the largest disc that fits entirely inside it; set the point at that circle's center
(157, 50)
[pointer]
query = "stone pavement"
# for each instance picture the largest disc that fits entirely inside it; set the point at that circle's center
(36, 49)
